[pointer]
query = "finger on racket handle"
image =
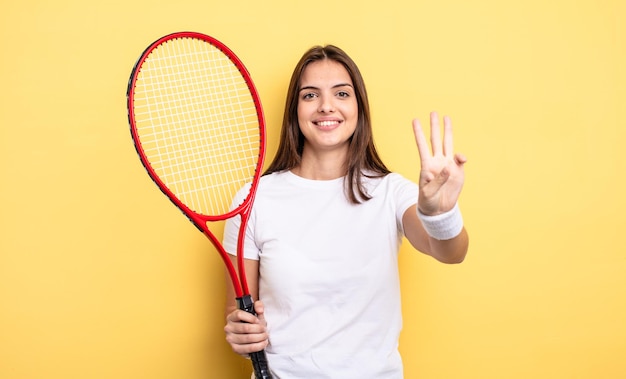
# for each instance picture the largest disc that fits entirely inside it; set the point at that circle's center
(259, 359)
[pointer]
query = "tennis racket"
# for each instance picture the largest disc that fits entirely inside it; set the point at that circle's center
(197, 124)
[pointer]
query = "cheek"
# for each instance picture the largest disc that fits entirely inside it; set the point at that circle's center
(301, 111)
(305, 112)
(352, 111)
(302, 120)
(351, 106)
(301, 117)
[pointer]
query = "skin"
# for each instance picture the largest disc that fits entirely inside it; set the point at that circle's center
(327, 115)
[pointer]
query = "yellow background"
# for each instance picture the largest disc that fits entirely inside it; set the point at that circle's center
(101, 277)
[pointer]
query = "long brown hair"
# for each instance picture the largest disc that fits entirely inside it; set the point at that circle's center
(363, 160)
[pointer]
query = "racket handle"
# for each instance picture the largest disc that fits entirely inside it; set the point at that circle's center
(259, 359)
(259, 363)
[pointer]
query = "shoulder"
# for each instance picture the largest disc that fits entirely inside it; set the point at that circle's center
(274, 179)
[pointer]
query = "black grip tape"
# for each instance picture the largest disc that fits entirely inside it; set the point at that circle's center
(259, 359)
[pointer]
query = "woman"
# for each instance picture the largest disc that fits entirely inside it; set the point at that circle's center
(328, 219)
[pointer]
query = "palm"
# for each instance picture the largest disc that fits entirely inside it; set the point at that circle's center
(441, 175)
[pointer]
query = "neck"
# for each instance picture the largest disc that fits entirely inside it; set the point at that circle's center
(321, 166)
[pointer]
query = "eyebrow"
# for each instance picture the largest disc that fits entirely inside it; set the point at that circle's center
(335, 86)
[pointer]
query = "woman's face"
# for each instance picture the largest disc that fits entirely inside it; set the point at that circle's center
(327, 106)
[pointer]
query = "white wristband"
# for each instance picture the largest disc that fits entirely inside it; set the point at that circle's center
(443, 226)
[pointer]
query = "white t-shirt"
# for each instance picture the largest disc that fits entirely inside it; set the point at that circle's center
(328, 274)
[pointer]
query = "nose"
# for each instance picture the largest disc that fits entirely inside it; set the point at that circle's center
(326, 105)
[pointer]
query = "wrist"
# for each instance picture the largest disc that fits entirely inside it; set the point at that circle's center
(443, 226)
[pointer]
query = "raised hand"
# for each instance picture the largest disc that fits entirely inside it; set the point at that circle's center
(441, 174)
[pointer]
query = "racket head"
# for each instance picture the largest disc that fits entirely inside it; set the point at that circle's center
(197, 124)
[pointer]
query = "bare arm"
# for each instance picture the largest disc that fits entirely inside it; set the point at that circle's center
(446, 251)
(441, 180)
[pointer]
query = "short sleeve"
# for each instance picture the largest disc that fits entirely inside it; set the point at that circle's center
(405, 194)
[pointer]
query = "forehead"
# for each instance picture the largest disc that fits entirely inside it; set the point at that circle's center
(325, 71)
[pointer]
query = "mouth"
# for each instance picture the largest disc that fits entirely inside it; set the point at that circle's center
(327, 124)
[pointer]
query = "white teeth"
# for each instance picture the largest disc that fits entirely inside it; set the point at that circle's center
(327, 123)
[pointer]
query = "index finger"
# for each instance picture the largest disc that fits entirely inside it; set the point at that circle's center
(239, 315)
(420, 140)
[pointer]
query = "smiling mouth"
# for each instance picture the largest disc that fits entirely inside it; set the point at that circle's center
(327, 124)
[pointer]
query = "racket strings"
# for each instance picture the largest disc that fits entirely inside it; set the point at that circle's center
(198, 123)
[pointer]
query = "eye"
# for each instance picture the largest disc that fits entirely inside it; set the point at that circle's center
(309, 95)
(343, 94)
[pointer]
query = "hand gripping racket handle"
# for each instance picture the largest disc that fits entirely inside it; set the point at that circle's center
(259, 360)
